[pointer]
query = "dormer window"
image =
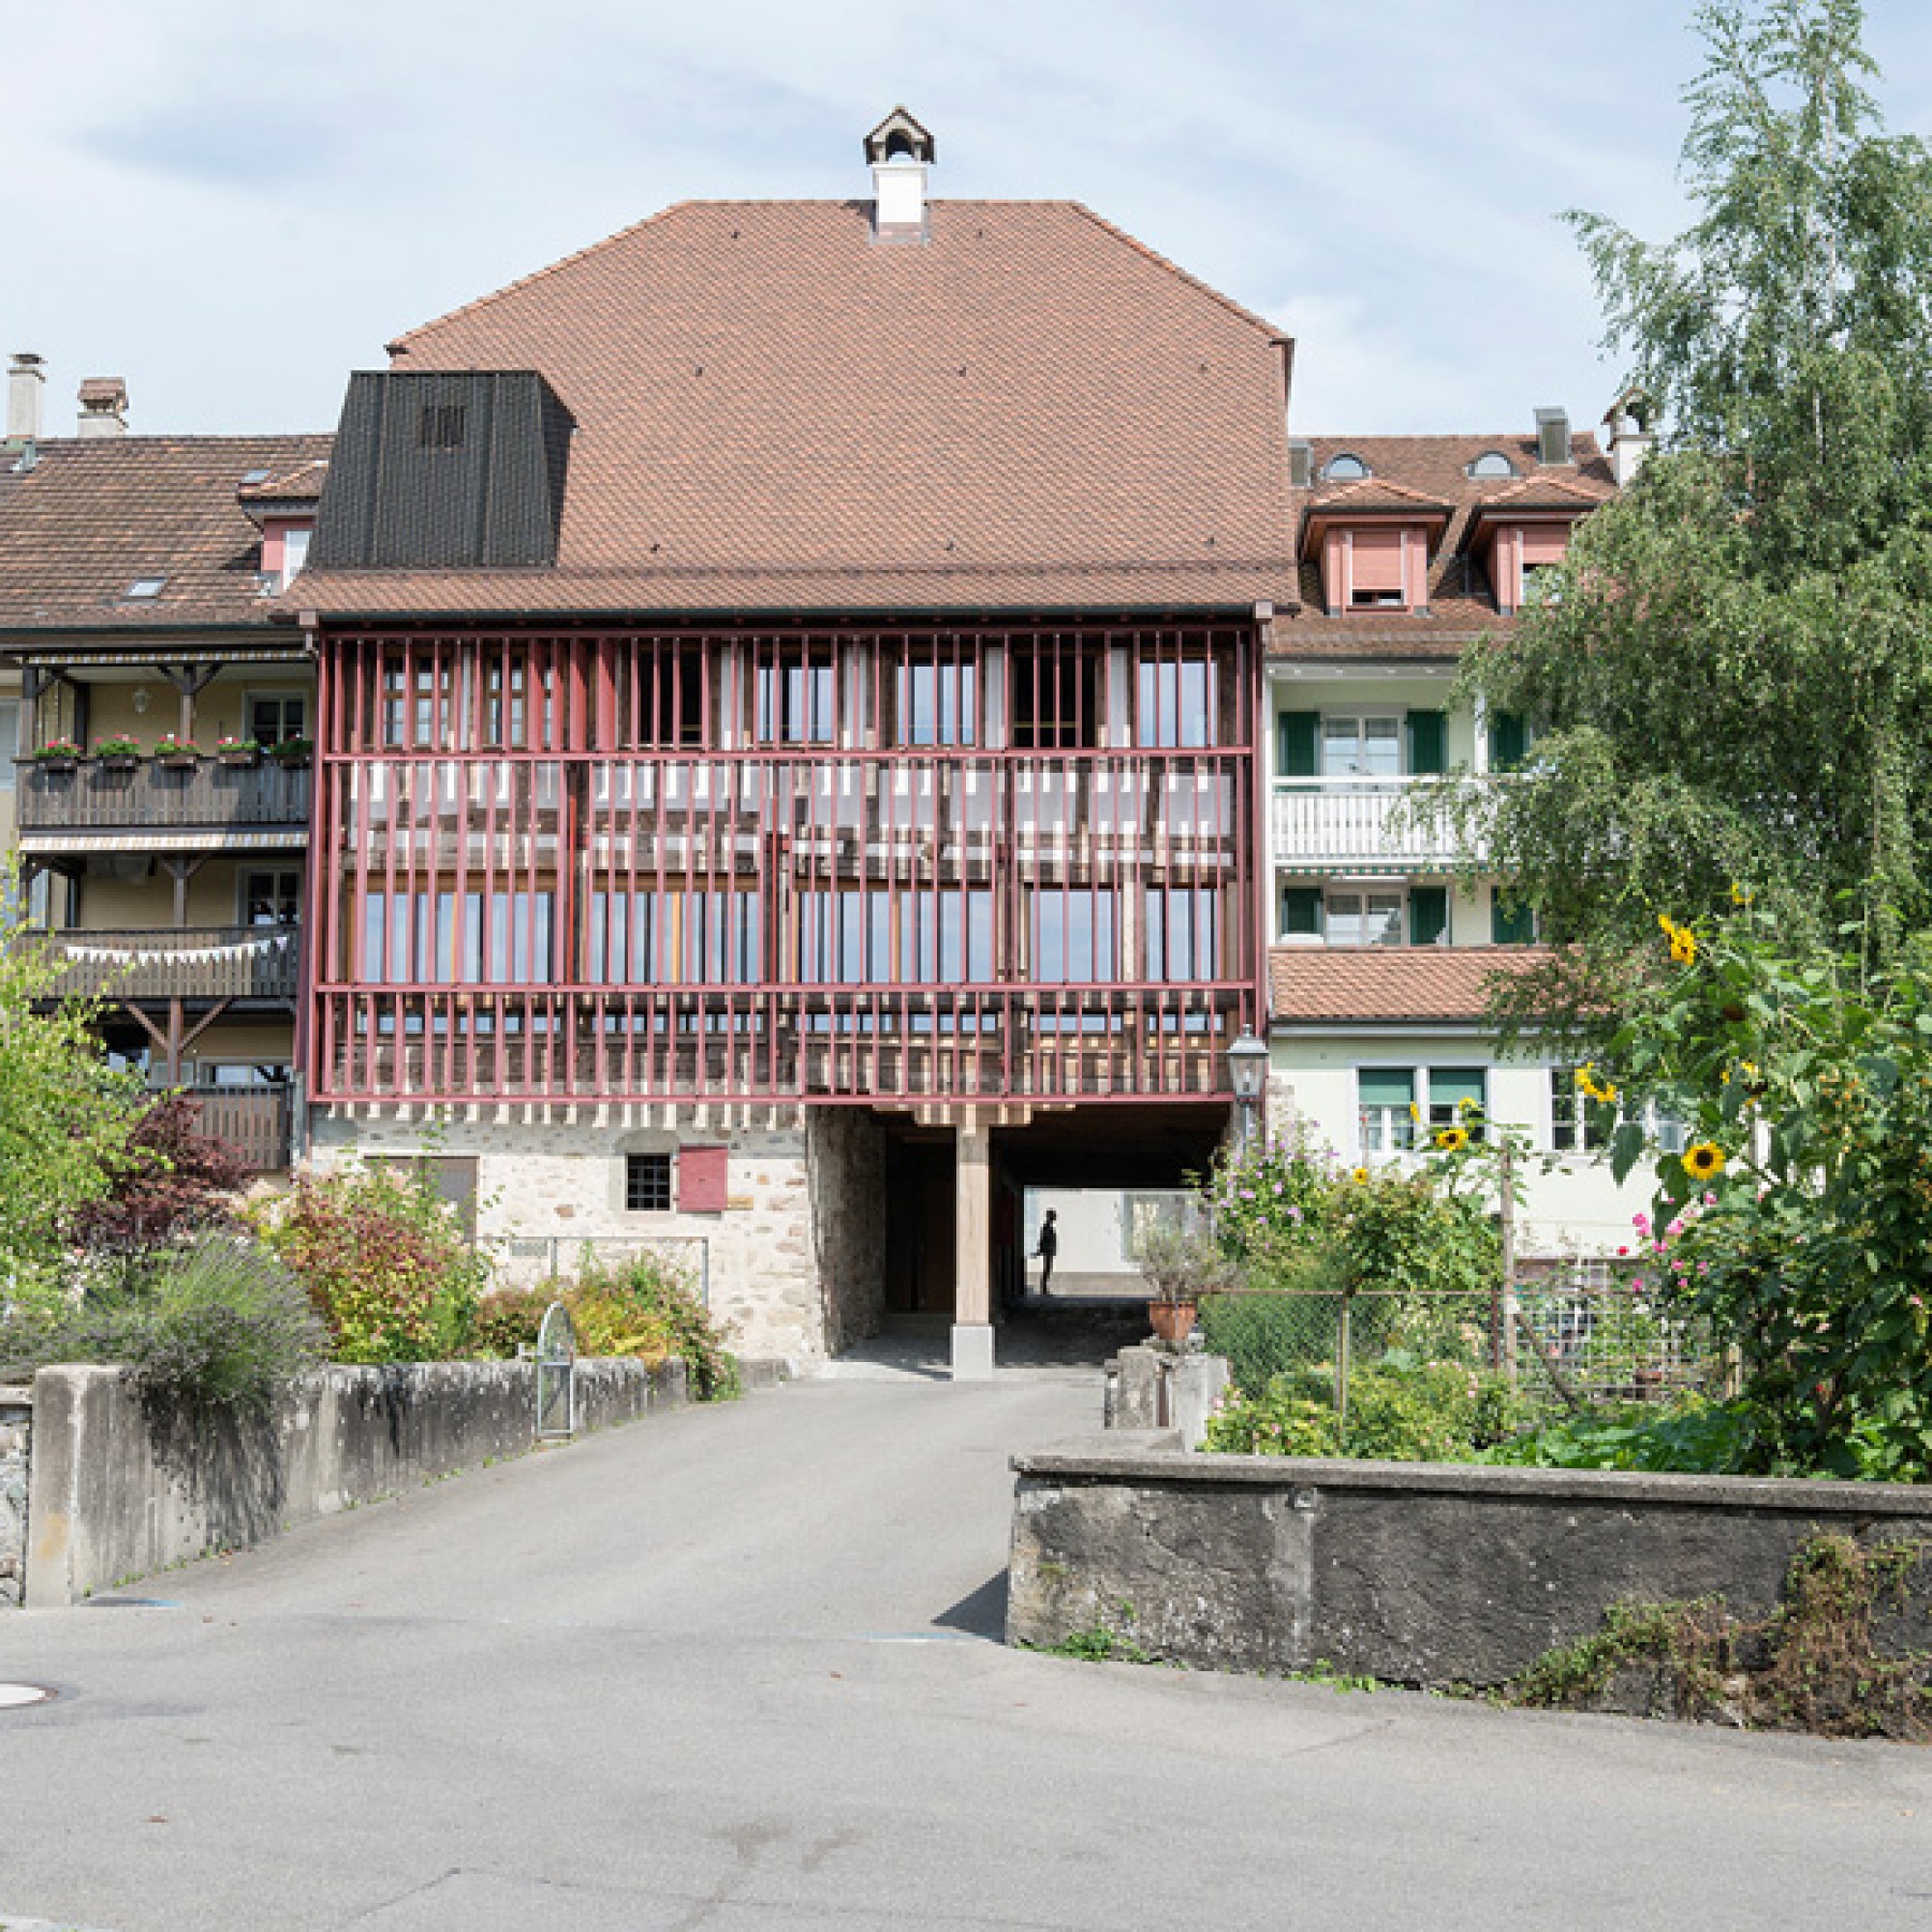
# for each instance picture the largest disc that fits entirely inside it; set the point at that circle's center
(1492, 465)
(284, 551)
(1347, 467)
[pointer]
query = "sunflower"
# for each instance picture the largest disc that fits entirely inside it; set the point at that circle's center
(1452, 1140)
(1361, 1175)
(1704, 1161)
(1684, 947)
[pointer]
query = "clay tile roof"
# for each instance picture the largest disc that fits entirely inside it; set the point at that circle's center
(299, 485)
(1374, 493)
(1029, 411)
(103, 390)
(1461, 606)
(93, 515)
(1385, 983)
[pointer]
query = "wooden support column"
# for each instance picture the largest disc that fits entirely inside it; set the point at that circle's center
(181, 870)
(972, 1252)
(188, 681)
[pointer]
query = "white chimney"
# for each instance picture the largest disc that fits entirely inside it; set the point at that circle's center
(900, 151)
(1632, 439)
(26, 381)
(103, 407)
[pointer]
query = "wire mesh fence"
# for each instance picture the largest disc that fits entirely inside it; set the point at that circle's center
(1565, 1338)
(526, 1260)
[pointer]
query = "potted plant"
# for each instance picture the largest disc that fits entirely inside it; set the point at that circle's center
(116, 753)
(231, 751)
(58, 754)
(177, 753)
(1180, 1263)
(291, 751)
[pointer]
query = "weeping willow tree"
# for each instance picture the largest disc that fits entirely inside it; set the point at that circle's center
(1732, 687)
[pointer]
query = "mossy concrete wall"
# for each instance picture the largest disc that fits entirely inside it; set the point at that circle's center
(1417, 1572)
(115, 1490)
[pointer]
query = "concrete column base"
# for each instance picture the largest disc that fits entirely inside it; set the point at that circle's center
(972, 1351)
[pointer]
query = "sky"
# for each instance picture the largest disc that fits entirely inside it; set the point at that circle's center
(233, 204)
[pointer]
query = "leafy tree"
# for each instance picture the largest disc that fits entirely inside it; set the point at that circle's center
(1734, 686)
(64, 1123)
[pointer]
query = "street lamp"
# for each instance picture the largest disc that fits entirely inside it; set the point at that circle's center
(1247, 1075)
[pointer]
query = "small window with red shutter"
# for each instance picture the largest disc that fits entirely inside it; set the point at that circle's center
(703, 1175)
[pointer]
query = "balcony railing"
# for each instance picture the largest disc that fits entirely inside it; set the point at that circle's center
(1327, 825)
(254, 1121)
(207, 796)
(223, 962)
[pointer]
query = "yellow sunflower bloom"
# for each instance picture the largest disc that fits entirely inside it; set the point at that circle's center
(1684, 947)
(1361, 1175)
(1452, 1140)
(1705, 1161)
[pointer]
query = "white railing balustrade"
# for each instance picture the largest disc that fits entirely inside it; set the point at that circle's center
(1334, 824)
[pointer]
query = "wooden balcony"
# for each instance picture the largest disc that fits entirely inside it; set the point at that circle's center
(195, 963)
(204, 798)
(1355, 825)
(254, 1121)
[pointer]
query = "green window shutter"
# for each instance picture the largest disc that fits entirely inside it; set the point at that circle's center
(1427, 743)
(1428, 915)
(1298, 744)
(1450, 1086)
(1510, 926)
(1509, 741)
(1300, 911)
(1385, 1085)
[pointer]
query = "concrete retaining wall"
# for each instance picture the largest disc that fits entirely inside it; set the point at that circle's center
(1417, 1572)
(114, 1492)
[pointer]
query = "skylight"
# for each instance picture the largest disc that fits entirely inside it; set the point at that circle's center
(147, 586)
(254, 476)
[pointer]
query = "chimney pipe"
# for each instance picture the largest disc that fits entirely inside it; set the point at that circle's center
(103, 407)
(26, 381)
(1632, 439)
(899, 151)
(1552, 437)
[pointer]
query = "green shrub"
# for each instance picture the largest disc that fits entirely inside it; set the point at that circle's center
(644, 1306)
(385, 1261)
(219, 1324)
(1283, 1420)
(1398, 1412)
(507, 1322)
(1700, 1438)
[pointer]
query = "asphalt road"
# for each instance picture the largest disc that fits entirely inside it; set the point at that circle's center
(734, 1668)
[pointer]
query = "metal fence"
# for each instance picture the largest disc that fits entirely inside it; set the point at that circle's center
(526, 1260)
(1562, 1339)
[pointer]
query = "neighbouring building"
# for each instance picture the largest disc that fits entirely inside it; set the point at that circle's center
(790, 741)
(160, 802)
(1412, 548)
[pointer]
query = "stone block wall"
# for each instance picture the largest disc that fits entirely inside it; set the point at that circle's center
(797, 1265)
(16, 1430)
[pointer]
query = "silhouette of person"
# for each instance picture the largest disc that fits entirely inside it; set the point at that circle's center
(1049, 1247)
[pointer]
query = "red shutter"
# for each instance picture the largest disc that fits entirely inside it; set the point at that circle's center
(703, 1180)
(1377, 561)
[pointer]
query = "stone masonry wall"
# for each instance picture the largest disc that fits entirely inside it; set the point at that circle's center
(792, 1271)
(16, 1427)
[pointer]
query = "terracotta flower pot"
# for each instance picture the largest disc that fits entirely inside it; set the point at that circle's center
(1173, 1321)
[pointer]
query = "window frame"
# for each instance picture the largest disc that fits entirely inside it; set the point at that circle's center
(659, 1177)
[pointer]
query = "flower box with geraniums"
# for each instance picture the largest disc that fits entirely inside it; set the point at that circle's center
(292, 751)
(117, 754)
(238, 751)
(179, 754)
(58, 754)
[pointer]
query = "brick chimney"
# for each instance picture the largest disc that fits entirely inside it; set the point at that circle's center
(900, 151)
(27, 383)
(103, 407)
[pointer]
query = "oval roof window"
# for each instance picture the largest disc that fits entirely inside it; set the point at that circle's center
(1348, 468)
(1493, 462)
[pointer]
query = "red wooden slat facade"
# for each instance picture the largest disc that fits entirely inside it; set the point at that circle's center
(926, 863)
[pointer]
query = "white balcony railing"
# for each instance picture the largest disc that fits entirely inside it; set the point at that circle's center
(1329, 825)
